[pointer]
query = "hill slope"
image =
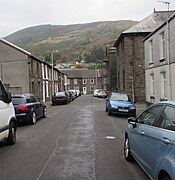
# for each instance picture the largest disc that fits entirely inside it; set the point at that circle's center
(73, 42)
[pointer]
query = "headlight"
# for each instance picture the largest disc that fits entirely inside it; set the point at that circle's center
(114, 106)
(133, 107)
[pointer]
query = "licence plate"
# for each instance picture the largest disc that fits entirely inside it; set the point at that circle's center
(123, 110)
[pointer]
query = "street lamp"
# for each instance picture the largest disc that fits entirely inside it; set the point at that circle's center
(52, 70)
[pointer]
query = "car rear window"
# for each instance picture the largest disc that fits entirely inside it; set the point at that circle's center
(18, 100)
(60, 94)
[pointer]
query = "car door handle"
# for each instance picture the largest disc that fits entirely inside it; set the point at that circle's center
(142, 133)
(165, 141)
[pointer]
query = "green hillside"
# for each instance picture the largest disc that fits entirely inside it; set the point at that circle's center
(73, 42)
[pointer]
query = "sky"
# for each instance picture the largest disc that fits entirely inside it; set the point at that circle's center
(19, 14)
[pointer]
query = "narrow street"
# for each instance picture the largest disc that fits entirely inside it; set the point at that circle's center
(77, 141)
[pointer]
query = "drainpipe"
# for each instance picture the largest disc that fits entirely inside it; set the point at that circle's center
(168, 60)
(133, 69)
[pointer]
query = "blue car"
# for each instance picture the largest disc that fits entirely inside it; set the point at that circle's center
(120, 104)
(150, 140)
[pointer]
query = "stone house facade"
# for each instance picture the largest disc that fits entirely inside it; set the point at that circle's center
(160, 63)
(130, 59)
(86, 80)
(24, 73)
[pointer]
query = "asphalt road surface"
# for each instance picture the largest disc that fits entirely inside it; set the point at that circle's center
(78, 141)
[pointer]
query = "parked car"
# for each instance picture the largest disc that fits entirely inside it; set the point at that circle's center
(8, 123)
(150, 140)
(61, 98)
(96, 91)
(121, 104)
(102, 94)
(28, 108)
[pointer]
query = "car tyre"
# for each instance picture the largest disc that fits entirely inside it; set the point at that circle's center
(33, 117)
(12, 134)
(45, 112)
(106, 109)
(166, 178)
(109, 112)
(127, 152)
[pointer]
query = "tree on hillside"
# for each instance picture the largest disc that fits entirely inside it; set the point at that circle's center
(96, 54)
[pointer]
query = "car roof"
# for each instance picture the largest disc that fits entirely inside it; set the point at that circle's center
(118, 93)
(172, 102)
(22, 95)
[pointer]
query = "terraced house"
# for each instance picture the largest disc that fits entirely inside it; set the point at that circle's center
(24, 73)
(86, 80)
(130, 57)
(160, 62)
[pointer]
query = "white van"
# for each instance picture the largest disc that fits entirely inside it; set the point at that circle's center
(8, 123)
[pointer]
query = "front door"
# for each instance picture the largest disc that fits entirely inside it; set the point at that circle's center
(84, 90)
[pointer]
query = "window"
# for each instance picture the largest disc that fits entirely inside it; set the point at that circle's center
(163, 84)
(151, 51)
(152, 84)
(91, 80)
(68, 81)
(162, 45)
(75, 81)
(84, 81)
(166, 119)
(47, 88)
(91, 88)
(150, 115)
(32, 99)
(2, 92)
(43, 71)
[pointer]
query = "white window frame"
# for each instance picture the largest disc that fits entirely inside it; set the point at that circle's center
(92, 81)
(163, 84)
(46, 73)
(43, 71)
(152, 84)
(68, 81)
(84, 81)
(151, 51)
(75, 81)
(47, 89)
(162, 45)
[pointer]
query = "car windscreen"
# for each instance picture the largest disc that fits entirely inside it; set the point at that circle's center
(58, 94)
(18, 100)
(119, 97)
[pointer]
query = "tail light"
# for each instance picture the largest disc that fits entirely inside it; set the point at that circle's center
(22, 108)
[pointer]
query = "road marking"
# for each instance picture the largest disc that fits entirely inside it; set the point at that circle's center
(110, 137)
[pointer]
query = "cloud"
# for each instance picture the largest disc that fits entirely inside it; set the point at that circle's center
(19, 14)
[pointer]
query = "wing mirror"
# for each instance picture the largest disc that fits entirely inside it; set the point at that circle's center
(8, 98)
(132, 120)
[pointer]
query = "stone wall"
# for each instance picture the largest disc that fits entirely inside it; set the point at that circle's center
(130, 66)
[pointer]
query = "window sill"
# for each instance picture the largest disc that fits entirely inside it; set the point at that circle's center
(162, 60)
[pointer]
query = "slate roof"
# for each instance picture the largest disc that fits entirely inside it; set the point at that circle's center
(151, 22)
(147, 25)
(163, 24)
(83, 73)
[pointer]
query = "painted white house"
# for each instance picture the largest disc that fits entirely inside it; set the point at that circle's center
(160, 62)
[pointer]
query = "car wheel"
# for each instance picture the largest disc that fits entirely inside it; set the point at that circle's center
(33, 117)
(166, 178)
(44, 112)
(109, 112)
(106, 109)
(12, 134)
(127, 152)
